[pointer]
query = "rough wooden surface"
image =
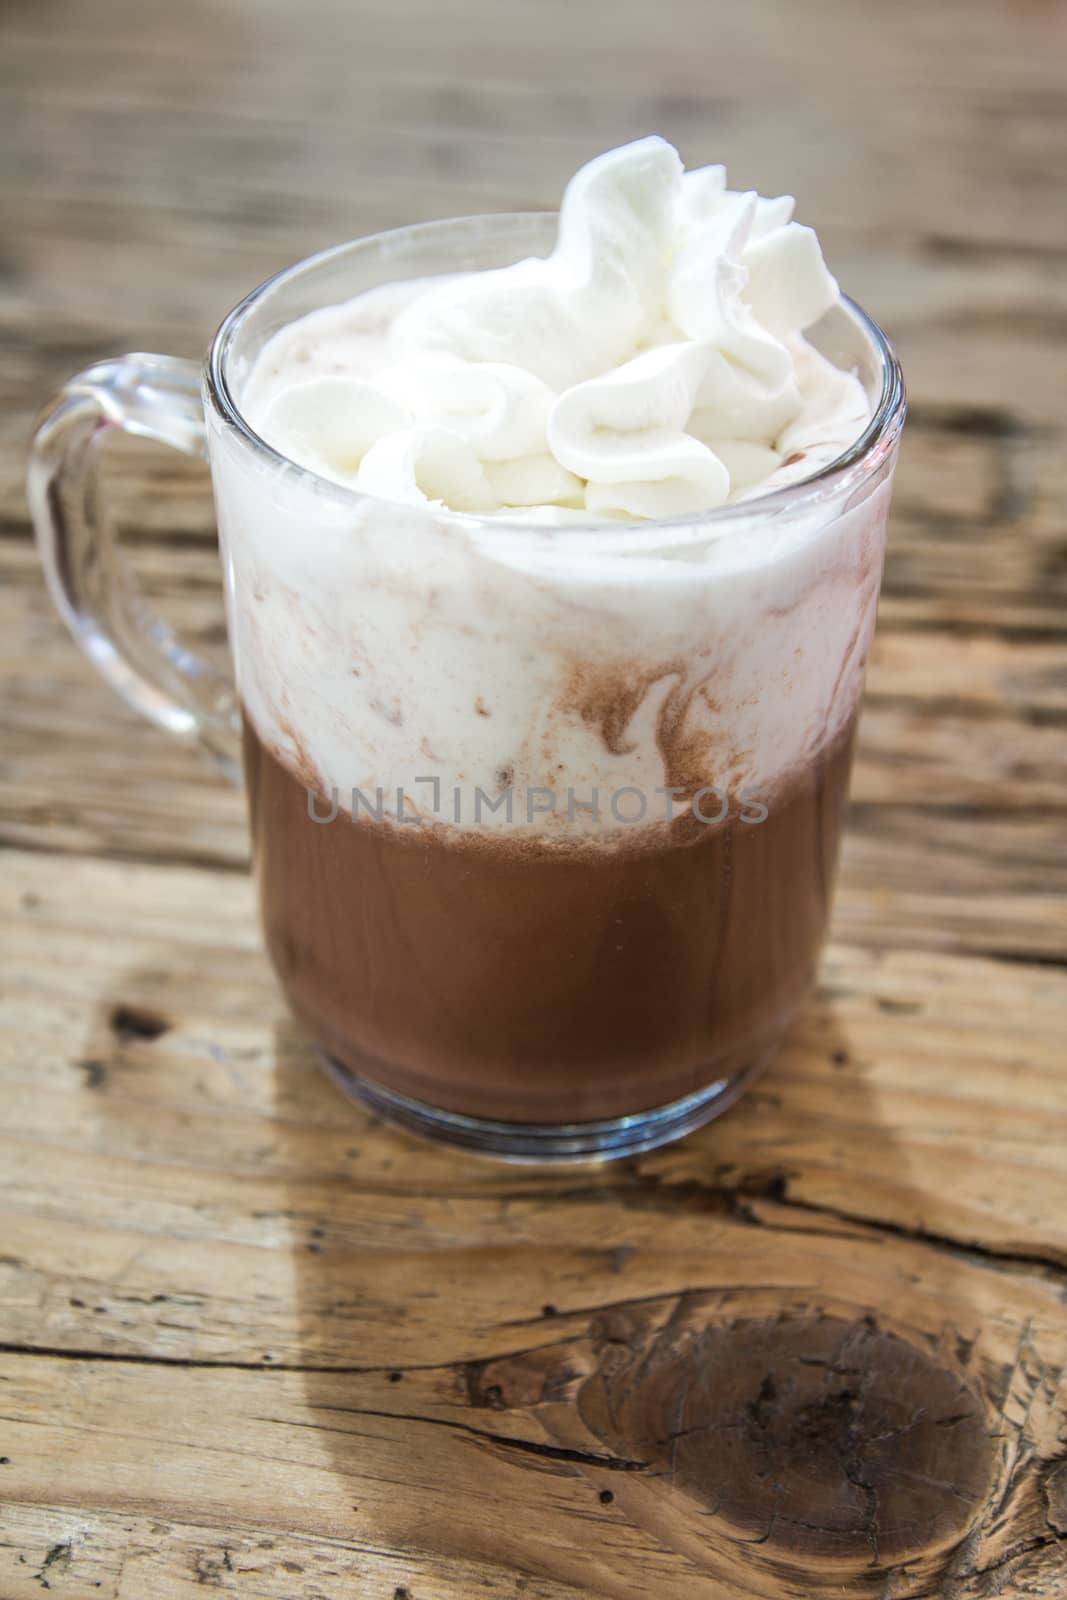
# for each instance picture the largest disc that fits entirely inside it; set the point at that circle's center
(251, 1340)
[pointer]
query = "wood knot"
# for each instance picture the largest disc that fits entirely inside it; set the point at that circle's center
(128, 1022)
(518, 1382)
(823, 1445)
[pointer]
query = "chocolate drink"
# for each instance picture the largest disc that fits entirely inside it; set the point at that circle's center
(545, 972)
(514, 979)
(503, 520)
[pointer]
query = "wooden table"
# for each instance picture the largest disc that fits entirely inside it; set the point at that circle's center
(254, 1341)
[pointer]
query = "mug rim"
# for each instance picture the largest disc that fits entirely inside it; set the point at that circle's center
(852, 466)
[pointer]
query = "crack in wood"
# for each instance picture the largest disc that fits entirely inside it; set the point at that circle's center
(981, 421)
(266, 1366)
(551, 1452)
(201, 860)
(955, 247)
(691, 1195)
(989, 1256)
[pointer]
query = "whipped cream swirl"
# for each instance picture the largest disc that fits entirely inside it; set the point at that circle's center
(652, 366)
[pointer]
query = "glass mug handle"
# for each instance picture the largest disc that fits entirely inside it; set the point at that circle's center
(154, 397)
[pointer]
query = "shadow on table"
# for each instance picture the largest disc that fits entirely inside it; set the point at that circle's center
(764, 1386)
(693, 1347)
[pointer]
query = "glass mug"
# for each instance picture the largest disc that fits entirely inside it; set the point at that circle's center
(544, 820)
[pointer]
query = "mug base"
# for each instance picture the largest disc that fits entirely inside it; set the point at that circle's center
(548, 1143)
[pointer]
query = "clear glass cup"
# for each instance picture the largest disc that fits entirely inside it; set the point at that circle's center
(545, 821)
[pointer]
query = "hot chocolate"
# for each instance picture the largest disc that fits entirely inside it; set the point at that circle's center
(526, 980)
(545, 567)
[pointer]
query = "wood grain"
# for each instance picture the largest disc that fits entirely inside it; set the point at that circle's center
(255, 1342)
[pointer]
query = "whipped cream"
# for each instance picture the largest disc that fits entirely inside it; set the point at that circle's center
(653, 366)
(385, 642)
